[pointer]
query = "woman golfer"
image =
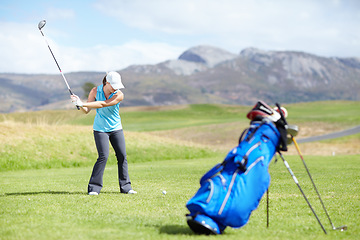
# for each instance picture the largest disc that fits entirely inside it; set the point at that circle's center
(107, 127)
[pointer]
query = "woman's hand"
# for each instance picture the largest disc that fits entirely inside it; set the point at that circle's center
(76, 101)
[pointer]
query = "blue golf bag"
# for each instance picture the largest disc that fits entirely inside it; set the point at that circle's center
(231, 190)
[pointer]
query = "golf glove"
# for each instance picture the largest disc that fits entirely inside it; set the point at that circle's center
(76, 101)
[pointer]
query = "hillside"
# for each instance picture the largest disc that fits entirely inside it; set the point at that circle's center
(202, 74)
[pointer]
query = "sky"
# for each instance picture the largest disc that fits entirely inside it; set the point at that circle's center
(109, 35)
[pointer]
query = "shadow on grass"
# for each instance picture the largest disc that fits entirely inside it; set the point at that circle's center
(51, 192)
(42, 192)
(176, 230)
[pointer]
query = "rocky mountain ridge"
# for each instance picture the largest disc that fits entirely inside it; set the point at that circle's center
(202, 74)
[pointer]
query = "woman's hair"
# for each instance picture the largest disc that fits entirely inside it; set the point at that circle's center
(104, 81)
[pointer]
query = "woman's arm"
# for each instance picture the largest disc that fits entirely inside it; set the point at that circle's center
(115, 99)
(91, 98)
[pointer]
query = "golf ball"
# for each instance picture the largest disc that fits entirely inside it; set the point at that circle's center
(164, 192)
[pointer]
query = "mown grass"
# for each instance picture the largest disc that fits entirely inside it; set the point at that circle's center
(52, 203)
(193, 115)
(336, 112)
(46, 160)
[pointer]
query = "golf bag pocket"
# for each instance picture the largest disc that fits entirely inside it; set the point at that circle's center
(210, 194)
(212, 172)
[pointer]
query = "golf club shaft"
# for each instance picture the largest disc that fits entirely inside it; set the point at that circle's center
(57, 64)
(313, 183)
(267, 208)
(297, 183)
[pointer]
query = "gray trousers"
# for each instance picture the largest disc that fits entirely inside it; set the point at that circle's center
(117, 141)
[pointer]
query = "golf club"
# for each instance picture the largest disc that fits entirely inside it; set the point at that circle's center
(297, 183)
(342, 228)
(293, 130)
(40, 26)
(267, 207)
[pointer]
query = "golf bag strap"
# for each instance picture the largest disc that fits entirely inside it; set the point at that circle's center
(280, 125)
(244, 133)
(243, 162)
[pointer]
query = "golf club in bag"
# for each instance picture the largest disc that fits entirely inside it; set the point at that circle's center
(40, 26)
(231, 190)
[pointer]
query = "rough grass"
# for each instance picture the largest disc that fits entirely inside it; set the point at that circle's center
(32, 146)
(63, 138)
(26, 146)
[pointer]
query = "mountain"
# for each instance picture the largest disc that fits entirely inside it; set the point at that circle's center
(202, 74)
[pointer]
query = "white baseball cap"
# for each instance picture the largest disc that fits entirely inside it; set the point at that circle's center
(114, 79)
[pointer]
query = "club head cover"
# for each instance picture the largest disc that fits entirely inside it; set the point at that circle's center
(261, 109)
(283, 110)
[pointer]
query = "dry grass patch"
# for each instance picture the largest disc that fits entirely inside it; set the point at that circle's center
(14, 133)
(340, 146)
(310, 129)
(225, 136)
(153, 108)
(327, 149)
(222, 136)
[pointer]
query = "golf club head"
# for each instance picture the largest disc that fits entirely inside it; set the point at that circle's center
(41, 24)
(341, 228)
(292, 130)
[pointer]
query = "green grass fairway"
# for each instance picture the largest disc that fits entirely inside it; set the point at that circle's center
(52, 204)
(46, 159)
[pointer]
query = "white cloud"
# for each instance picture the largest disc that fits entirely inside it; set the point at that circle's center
(106, 58)
(58, 13)
(232, 24)
(149, 32)
(23, 50)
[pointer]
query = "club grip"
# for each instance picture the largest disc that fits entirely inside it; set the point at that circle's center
(71, 93)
